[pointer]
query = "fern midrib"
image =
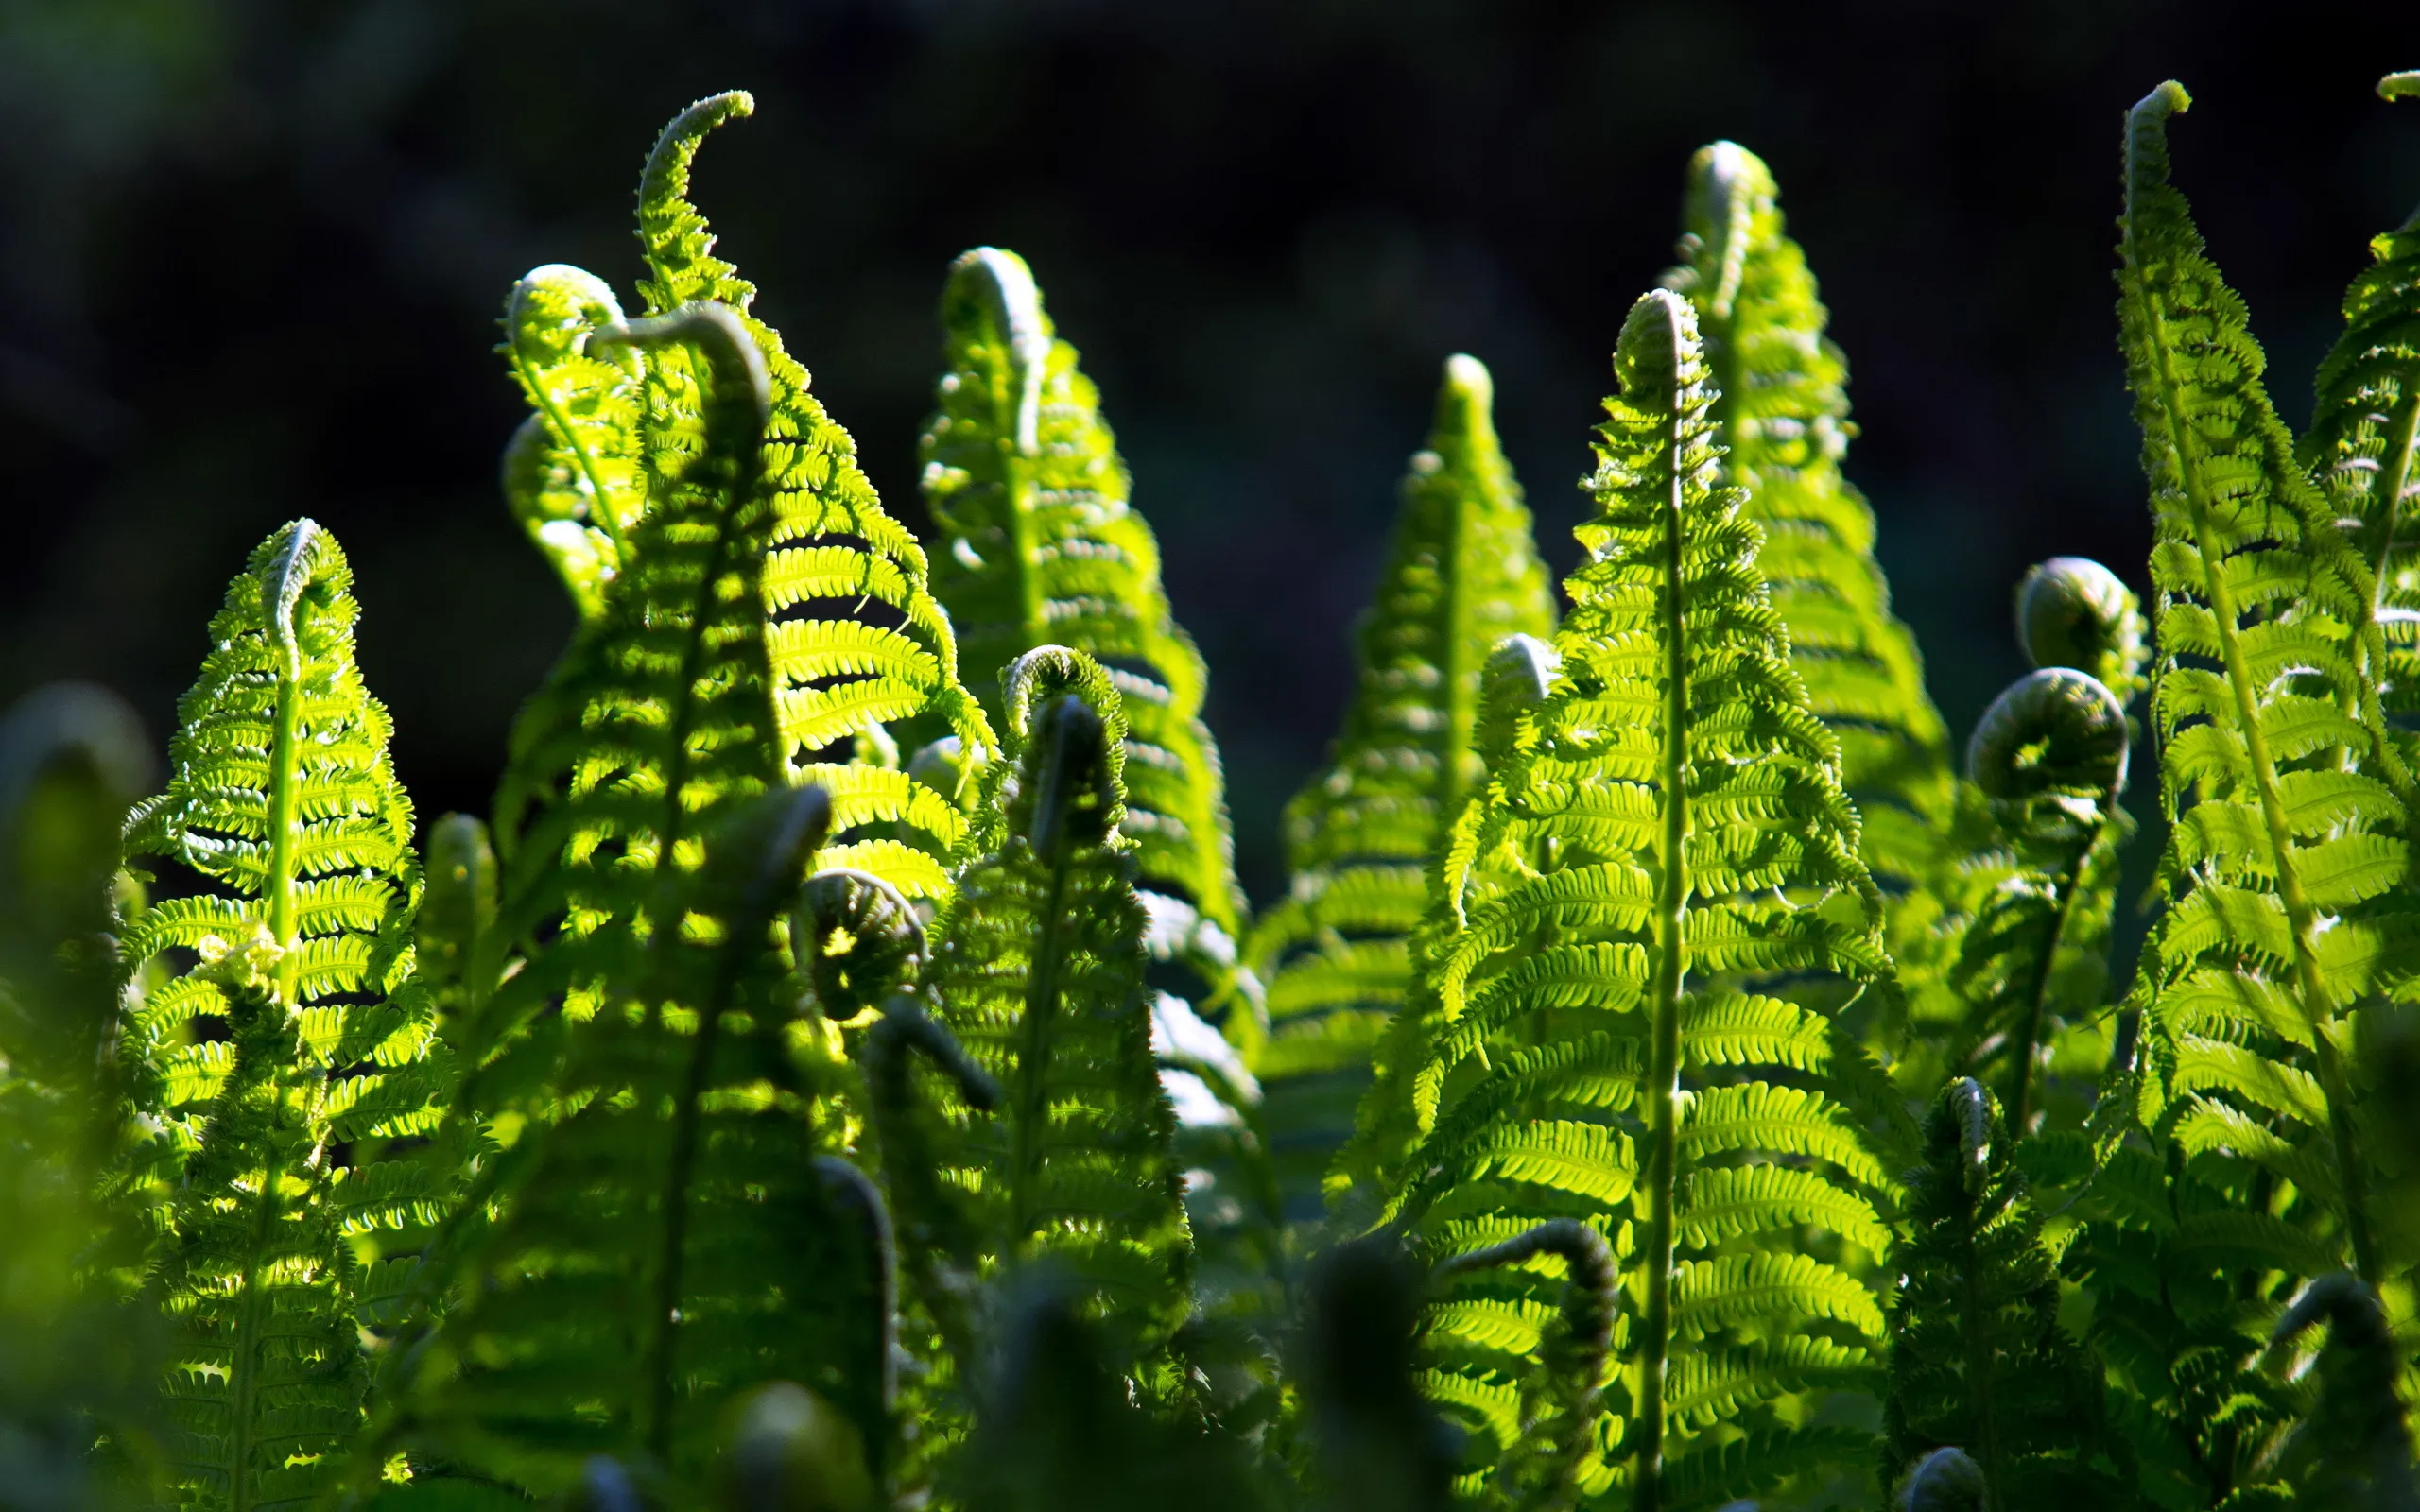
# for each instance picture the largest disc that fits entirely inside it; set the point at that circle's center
(680, 1166)
(1460, 679)
(279, 885)
(2038, 990)
(1975, 1332)
(1016, 482)
(603, 513)
(1041, 1010)
(243, 1370)
(1672, 892)
(2319, 1005)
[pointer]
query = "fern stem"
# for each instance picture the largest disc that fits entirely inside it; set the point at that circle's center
(655, 1427)
(603, 514)
(1671, 903)
(283, 823)
(1974, 1326)
(243, 1365)
(2029, 1043)
(2319, 1005)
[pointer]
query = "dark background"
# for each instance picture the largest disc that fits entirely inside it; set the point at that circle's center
(251, 253)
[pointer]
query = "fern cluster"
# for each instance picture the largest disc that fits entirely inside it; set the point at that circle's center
(1669, 1081)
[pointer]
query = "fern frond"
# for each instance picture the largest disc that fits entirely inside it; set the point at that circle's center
(2363, 449)
(1461, 574)
(283, 801)
(2354, 1450)
(2049, 755)
(572, 474)
(2072, 611)
(1782, 415)
(2265, 682)
(1666, 824)
(1037, 969)
(1979, 1360)
(1024, 479)
(861, 650)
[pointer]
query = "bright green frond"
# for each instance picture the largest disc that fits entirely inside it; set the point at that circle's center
(572, 475)
(841, 566)
(1671, 807)
(1041, 547)
(1462, 575)
(1037, 970)
(2265, 678)
(283, 804)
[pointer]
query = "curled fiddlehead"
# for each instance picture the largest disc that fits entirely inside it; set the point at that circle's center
(1571, 1356)
(857, 942)
(2072, 611)
(1947, 1480)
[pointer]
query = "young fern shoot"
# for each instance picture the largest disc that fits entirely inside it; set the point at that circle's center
(1462, 575)
(282, 799)
(1601, 1051)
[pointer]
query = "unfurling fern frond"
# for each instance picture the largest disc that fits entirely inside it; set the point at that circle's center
(2288, 869)
(1462, 575)
(861, 652)
(1979, 1360)
(2364, 444)
(1037, 968)
(572, 472)
(283, 802)
(2072, 611)
(1023, 477)
(1665, 832)
(1782, 416)
(2050, 756)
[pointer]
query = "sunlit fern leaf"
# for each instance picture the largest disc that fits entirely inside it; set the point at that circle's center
(2286, 870)
(2364, 442)
(1037, 968)
(1665, 830)
(1024, 480)
(673, 1238)
(283, 801)
(572, 474)
(1461, 574)
(2049, 755)
(1782, 415)
(1978, 1359)
(861, 652)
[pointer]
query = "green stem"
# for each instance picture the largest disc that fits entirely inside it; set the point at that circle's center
(2319, 1003)
(1664, 1003)
(1033, 1082)
(606, 517)
(2037, 997)
(243, 1365)
(284, 823)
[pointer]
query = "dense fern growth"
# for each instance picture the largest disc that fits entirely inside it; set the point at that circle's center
(1977, 1358)
(281, 801)
(1667, 827)
(1037, 967)
(1461, 574)
(1782, 416)
(2287, 862)
(861, 650)
(1024, 480)
(2364, 442)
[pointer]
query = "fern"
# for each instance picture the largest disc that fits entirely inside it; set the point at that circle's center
(1782, 416)
(283, 801)
(1462, 575)
(2049, 755)
(1666, 828)
(858, 645)
(2287, 868)
(1025, 483)
(1037, 968)
(2364, 444)
(2072, 611)
(572, 474)
(1979, 1360)
(2354, 1450)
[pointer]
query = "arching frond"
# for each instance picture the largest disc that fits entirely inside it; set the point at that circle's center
(2286, 869)
(1025, 482)
(1037, 968)
(1461, 574)
(572, 472)
(1782, 417)
(1666, 826)
(283, 802)
(1978, 1362)
(861, 652)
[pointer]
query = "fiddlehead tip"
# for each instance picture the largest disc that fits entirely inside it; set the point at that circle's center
(1070, 746)
(998, 283)
(1469, 388)
(2400, 86)
(791, 1451)
(2054, 731)
(676, 146)
(2072, 612)
(457, 902)
(2170, 98)
(856, 939)
(1728, 186)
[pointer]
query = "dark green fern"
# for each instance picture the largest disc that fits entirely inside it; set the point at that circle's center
(1666, 828)
(1979, 1360)
(1462, 575)
(283, 804)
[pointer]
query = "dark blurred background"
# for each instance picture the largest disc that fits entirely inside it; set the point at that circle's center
(251, 252)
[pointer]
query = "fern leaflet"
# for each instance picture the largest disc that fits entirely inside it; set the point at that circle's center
(1461, 574)
(282, 800)
(572, 474)
(1666, 829)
